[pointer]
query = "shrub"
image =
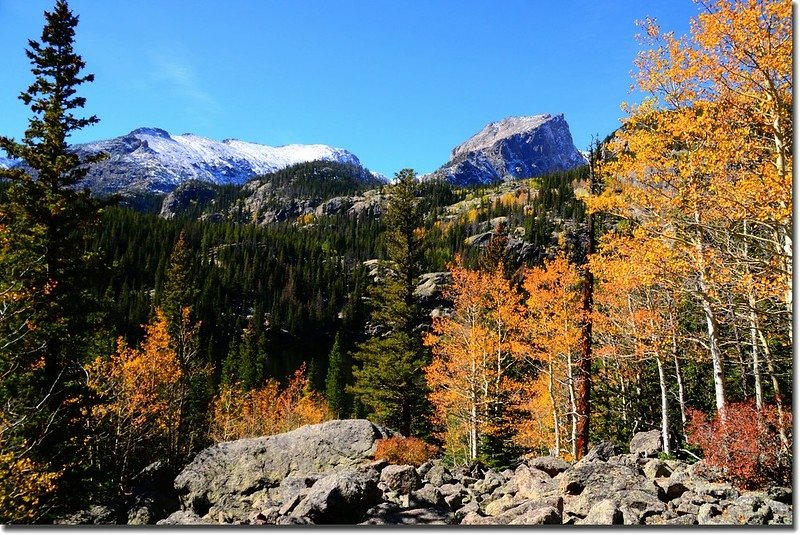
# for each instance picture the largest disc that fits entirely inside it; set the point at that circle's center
(399, 450)
(269, 410)
(746, 445)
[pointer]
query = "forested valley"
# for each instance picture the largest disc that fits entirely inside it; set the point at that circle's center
(650, 289)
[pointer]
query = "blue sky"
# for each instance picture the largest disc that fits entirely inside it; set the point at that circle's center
(398, 83)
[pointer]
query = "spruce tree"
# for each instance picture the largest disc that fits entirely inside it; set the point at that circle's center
(45, 224)
(388, 378)
(336, 381)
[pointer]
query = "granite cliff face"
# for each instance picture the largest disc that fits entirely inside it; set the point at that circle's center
(513, 148)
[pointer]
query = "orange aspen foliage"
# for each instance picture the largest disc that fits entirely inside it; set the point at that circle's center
(139, 395)
(707, 160)
(554, 309)
(265, 411)
(473, 351)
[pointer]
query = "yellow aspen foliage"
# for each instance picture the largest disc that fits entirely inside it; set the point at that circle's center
(139, 394)
(554, 310)
(704, 165)
(23, 483)
(267, 410)
(473, 351)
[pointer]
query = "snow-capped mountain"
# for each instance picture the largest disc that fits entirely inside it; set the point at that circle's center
(151, 159)
(513, 148)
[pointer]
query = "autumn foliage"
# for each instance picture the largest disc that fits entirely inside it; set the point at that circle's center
(746, 444)
(138, 404)
(473, 352)
(399, 450)
(268, 410)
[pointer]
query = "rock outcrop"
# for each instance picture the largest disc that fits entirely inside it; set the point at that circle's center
(239, 472)
(513, 148)
(324, 474)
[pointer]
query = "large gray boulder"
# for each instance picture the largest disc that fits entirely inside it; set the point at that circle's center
(647, 443)
(244, 467)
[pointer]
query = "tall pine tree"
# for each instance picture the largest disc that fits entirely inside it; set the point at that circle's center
(388, 378)
(46, 224)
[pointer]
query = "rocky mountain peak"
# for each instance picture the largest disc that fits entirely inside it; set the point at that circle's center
(513, 148)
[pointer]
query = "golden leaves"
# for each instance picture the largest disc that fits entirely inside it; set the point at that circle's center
(267, 410)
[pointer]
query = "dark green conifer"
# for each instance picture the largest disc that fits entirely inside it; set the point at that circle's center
(388, 378)
(46, 224)
(336, 381)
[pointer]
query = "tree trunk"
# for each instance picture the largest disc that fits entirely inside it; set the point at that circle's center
(711, 323)
(776, 388)
(573, 407)
(754, 345)
(556, 426)
(679, 379)
(662, 383)
(585, 361)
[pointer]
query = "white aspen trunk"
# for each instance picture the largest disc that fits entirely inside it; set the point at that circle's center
(556, 426)
(623, 396)
(473, 433)
(662, 383)
(753, 317)
(678, 376)
(711, 324)
(573, 408)
(780, 135)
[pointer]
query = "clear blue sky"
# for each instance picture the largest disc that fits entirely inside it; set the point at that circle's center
(398, 83)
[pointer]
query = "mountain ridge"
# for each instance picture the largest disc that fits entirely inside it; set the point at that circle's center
(150, 159)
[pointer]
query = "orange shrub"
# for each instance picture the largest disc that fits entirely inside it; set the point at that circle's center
(398, 450)
(268, 410)
(746, 445)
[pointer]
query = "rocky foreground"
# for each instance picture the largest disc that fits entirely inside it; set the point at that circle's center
(326, 474)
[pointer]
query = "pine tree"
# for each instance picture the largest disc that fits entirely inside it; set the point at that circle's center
(388, 376)
(45, 225)
(336, 380)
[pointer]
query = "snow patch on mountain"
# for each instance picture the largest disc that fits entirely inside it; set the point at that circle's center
(152, 159)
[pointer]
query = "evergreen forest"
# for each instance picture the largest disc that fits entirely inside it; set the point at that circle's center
(648, 289)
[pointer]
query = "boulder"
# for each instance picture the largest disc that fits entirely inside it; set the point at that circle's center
(94, 514)
(751, 510)
(400, 478)
(406, 517)
(245, 466)
(545, 511)
(502, 504)
(540, 516)
(601, 452)
(647, 443)
(604, 478)
(183, 518)
(552, 466)
(439, 475)
(340, 498)
(428, 496)
(603, 513)
(656, 468)
(531, 483)
(491, 480)
(637, 506)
